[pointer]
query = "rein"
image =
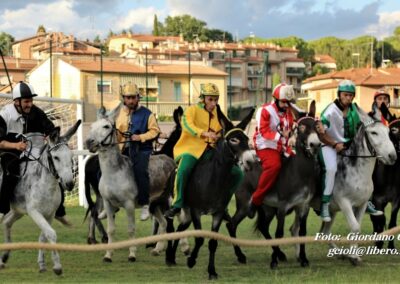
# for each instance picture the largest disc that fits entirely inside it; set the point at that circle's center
(109, 136)
(369, 146)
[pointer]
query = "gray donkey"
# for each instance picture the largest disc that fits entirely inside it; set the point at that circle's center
(37, 193)
(117, 184)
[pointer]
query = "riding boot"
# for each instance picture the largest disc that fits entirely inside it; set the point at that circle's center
(372, 211)
(170, 213)
(325, 216)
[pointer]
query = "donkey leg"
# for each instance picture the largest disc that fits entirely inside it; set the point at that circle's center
(8, 221)
(191, 261)
(303, 232)
(41, 260)
(281, 214)
(212, 247)
(110, 229)
(162, 227)
(232, 228)
(130, 214)
(184, 243)
(91, 239)
(155, 227)
(51, 236)
(171, 250)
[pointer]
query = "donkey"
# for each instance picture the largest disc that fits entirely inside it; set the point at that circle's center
(117, 183)
(37, 192)
(291, 191)
(92, 176)
(208, 188)
(353, 181)
(386, 180)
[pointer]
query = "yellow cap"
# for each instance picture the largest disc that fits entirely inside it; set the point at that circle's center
(130, 89)
(209, 89)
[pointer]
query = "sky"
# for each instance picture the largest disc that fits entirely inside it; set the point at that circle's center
(308, 19)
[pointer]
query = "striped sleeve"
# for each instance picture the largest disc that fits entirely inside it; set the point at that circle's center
(188, 122)
(264, 127)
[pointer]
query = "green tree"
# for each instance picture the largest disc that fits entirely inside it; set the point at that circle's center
(218, 35)
(41, 29)
(186, 25)
(6, 41)
(156, 31)
(276, 80)
(97, 40)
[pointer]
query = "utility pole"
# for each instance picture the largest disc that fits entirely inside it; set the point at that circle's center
(230, 86)
(372, 53)
(101, 77)
(51, 67)
(147, 82)
(266, 55)
(190, 77)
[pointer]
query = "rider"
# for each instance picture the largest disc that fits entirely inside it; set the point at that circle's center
(381, 97)
(274, 123)
(20, 117)
(200, 128)
(141, 124)
(336, 130)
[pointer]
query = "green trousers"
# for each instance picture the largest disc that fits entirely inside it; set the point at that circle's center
(186, 163)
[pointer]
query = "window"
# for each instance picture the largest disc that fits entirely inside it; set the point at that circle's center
(159, 88)
(211, 55)
(177, 91)
(106, 87)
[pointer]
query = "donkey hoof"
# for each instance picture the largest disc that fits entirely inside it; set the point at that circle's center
(131, 259)
(2, 265)
(104, 240)
(57, 271)
(5, 257)
(170, 262)
(151, 245)
(187, 252)
(107, 259)
(355, 261)
(273, 265)
(213, 276)
(304, 263)
(155, 252)
(191, 262)
(242, 259)
(91, 241)
(42, 269)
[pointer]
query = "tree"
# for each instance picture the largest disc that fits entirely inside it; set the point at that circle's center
(218, 35)
(6, 41)
(97, 40)
(41, 29)
(156, 31)
(276, 80)
(186, 25)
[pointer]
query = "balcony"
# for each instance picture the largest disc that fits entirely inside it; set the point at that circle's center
(295, 72)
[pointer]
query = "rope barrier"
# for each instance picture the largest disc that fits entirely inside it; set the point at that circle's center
(185, 234)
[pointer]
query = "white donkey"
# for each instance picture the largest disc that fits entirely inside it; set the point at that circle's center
(117, 184)
(353, 181)
(37, 193)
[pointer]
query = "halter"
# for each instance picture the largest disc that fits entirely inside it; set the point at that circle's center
(109, 136)
(369, 145)
(302, 143)
(396, 144)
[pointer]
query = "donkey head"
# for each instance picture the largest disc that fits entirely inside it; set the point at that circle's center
(306, 136)
(235, 136)
(102, 131)
(377, 135)
(60, 156)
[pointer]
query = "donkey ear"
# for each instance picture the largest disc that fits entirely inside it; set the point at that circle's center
(223, 120)
(312, 110)
(178, 112)
(55, 134)
(243, 124)
(71, 131)
(375, 114)
(101, 113)
(113, 114)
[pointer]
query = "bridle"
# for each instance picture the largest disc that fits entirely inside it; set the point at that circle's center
(110, 136)
(303, 143)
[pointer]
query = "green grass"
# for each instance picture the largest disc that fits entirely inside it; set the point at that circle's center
(88, 267)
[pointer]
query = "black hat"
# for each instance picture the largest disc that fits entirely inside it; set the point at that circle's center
(23, 91)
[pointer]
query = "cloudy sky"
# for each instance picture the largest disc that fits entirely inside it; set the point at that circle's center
(309, 19)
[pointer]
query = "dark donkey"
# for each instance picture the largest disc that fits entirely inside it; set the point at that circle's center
(208, 188)
(293, 190)
(92, 177)
(386, 180)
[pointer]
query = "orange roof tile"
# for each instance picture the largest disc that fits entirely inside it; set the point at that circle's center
(183, 70)
(324, 58)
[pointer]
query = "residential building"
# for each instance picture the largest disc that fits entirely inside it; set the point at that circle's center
(323, 88)
(325, 61)
(17, 69)
(167, 85)
(39, 46)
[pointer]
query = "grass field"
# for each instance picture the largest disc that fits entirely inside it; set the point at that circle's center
(88, 267)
